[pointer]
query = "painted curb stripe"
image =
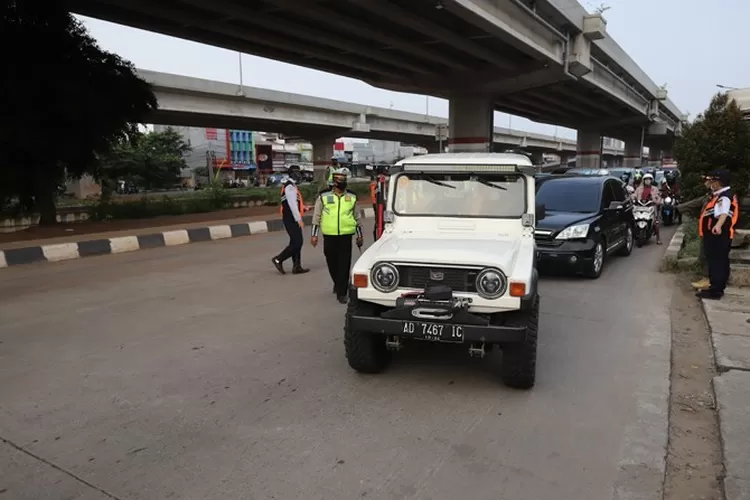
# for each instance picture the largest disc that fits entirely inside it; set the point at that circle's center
(121, 244)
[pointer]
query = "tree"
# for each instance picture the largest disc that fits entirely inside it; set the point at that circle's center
(65, 101)
(718, 138)
(151, 161)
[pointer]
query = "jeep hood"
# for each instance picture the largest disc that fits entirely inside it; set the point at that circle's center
(500, 253)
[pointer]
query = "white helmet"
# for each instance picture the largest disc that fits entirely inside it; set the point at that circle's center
(648, 176)
(342, 171)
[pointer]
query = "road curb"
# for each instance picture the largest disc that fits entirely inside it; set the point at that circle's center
(673, 250)
(57, 252)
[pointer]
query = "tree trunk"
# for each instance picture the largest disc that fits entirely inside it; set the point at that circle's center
(45, 191)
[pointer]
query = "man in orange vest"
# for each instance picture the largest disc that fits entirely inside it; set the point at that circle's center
(292, 209)
(716, 227)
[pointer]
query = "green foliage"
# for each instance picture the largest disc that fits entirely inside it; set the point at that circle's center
(691, 242)
(151, 161)
(211, 199)
(64, 101)
(718, 138)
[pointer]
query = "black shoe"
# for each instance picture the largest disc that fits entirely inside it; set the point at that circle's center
(342, 299)
(278, 265)
(300, 270)
(709, 294)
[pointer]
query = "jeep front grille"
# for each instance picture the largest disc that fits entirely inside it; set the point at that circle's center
(460, 280)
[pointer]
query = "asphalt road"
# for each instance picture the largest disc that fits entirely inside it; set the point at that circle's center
(196, 372)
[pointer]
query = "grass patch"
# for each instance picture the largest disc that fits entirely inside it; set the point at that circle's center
(691, 243)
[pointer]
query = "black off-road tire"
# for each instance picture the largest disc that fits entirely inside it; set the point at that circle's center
(519, 360)
(366, 352)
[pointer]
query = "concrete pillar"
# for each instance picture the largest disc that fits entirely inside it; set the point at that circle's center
(470, 125)
(588, 149)
(537, 158)
(322, 151)
(633, 153)
(434, 147)
(654, 156)
(666, 154)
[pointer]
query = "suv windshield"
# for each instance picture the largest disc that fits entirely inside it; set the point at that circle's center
(460, 195)
(560, 196)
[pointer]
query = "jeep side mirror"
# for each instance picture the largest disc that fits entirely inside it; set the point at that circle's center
(616, 205)
(541, 212)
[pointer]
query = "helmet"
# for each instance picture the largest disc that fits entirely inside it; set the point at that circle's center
(648, 176)
(334, 159)
(342, 171)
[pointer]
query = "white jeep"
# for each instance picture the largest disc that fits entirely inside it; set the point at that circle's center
(456, 263)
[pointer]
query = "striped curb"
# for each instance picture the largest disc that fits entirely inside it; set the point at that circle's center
(121, 244)
(675, 245)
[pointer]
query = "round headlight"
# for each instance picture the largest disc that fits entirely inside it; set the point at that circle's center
(491, 283)
(384, 277)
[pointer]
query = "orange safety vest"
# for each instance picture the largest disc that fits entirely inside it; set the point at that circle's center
(374, 192)
(300, 202)
(707, 216)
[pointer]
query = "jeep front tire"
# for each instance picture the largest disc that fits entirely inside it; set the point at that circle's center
(519, 360)
(366, 352)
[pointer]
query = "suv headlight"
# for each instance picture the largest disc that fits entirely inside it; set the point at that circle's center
(491, 283)
(573, 232)
(384, 277)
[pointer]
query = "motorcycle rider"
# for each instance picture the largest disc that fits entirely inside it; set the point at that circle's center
(646, 191)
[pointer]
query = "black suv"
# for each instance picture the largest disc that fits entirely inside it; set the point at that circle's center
(585, 219)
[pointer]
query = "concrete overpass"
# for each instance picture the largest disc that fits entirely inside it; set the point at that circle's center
(547, 60)
(197, 102)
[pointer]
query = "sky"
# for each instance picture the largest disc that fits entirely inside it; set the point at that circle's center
(690, 45)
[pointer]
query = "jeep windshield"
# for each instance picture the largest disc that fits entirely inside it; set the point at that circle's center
(460, 195)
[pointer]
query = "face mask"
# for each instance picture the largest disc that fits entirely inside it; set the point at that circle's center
(340, 184)
(647, 182)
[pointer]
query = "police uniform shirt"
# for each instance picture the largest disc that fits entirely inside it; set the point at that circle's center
(290, 196)
(723, 204)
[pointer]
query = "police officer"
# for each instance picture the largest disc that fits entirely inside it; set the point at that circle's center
(336, 217)
(716, 227)
(292, 209)
(329, 172)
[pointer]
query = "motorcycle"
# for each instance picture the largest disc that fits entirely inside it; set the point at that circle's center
(669, 210)
(644, 213)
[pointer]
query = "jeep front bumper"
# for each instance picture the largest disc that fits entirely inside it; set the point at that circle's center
(439, 331)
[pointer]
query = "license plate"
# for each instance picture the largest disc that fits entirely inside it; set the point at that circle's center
(641, 224)
(435, 332)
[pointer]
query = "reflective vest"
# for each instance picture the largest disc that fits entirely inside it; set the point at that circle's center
(374, 192)
(300, 202)
(707, 219)
(330, 176)
(337, 217)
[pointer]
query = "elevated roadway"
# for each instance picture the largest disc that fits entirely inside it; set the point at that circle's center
(547, 60)
(192, 101)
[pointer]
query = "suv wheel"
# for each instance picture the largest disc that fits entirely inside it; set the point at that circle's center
(365, 352)
(597, 262)
(519, 360)
(627, 249)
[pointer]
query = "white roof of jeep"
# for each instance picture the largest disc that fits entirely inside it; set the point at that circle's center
(468, 159)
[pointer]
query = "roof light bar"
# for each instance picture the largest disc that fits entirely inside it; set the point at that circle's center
(417, 167)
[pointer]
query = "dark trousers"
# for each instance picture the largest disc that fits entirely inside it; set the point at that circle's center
(716, 249)
(338, 252)
(294, 248)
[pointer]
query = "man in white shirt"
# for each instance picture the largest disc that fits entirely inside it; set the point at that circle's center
(292, 210)
(716, 227)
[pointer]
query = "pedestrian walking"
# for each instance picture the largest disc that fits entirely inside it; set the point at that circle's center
(336, 217)
(716, 227)
(292, 209)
